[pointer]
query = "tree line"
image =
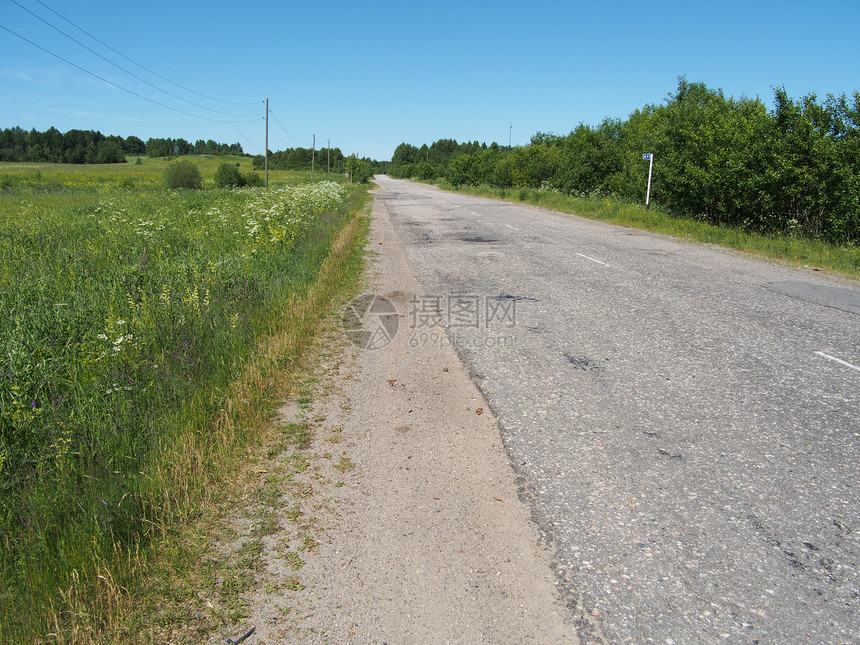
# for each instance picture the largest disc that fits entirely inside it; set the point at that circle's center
(301, 158)
(181, 147)
(792, 169)
(89, 146)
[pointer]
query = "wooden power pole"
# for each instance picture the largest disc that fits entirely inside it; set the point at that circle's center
(313, 156)
(266, 151)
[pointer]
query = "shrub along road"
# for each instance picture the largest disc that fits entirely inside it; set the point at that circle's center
(685, 418)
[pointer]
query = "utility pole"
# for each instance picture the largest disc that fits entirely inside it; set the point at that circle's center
(328, 157)
(266, 151)
(510, 129)
(313, 156)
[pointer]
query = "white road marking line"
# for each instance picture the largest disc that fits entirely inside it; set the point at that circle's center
(513, 227)
(474, 213)
(592, 259)
(838, 360)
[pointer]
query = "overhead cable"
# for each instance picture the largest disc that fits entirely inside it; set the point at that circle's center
(120, 67)
(120, 87)
(283, 128)
(119, 53)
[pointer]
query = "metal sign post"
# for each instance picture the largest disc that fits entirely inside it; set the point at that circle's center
(649, 156)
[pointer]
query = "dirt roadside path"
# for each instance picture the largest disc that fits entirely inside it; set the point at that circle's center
(425, 537)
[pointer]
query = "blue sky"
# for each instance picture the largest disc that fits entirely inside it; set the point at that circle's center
(369, 75)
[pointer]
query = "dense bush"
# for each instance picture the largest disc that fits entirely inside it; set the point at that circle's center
(228, 176)
(359, 170)
(253, 179)
(425, 170)
(792, 170)
(182, 174)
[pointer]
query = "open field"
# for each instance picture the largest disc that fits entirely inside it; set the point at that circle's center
(131, 316)
(132, 175)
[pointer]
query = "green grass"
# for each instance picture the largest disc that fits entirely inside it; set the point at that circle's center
(133, 322)
(148, 174)
(794, 250)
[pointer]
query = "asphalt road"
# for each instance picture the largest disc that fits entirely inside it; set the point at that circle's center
(686, 419)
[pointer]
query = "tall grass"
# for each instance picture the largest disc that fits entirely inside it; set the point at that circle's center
(795, 250)
(127, 314)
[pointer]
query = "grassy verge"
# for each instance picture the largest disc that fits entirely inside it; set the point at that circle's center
(794, 250)
(143, 337)
(185, 587)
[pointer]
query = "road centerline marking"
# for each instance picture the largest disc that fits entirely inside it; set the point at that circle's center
(513, 227)
(592, 259)
(838, 360)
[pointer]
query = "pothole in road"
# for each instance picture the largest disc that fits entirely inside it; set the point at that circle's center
(509, 296)
(470, 237)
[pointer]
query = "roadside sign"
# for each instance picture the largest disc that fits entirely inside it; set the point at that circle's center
(649, 157)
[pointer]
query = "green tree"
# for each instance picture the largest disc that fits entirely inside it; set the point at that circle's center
(359, 171)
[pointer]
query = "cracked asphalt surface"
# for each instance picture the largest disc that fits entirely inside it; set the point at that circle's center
(686, 419)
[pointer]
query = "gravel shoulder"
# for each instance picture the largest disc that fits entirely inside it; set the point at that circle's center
(421, 534)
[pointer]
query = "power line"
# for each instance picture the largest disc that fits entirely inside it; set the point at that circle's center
(246, 139)
(78, 27)
(278, 134)
(120, 87)
(142, 80)
(283, 128)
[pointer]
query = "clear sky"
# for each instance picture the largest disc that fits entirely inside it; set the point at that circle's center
(370, 74)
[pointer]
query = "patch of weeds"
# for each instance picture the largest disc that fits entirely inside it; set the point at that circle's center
(300, 463)
(303, 492)
(336, 436)
(293, 514)
(236, 583)
(297, 434)
(269, 495)
(294, 561)
(250, 555)
(339, 484)
(293, 583)
(267, 524)
(309, 544)
(272, 587)
(346, 464)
